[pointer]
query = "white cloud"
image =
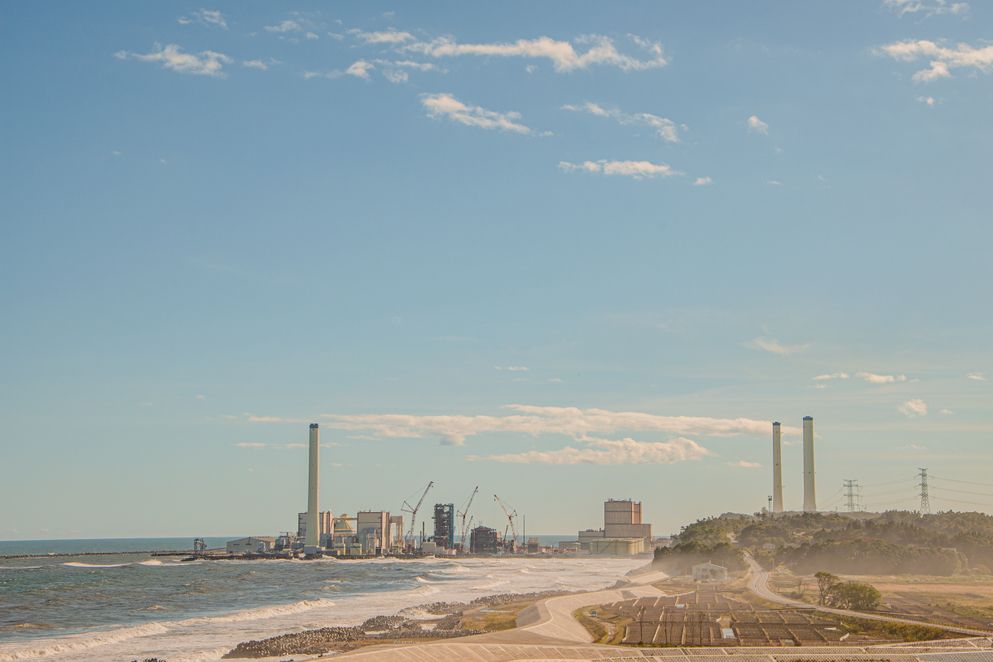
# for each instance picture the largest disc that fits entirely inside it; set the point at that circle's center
(913, 408)
(745, 464)
(755, 125)
(255, 64)
(288, 25)
(976, 376)
(774, 182)
(605, 451)
(773, 346)
(831, 376)
(873, 378)
(208, 17)
(360, 69)
(312, 36)
(703, 181)
(512, 368)
(205, 63)
(396, 76)
(634, 169)
(534, 421)
(926, 8)
(942, 59)
(251, 444)
(289, 446)
(201, 397)
(446, 105)
(946, 412)
(664, 127)
(928, 101)
(390, 36)
(562, 54)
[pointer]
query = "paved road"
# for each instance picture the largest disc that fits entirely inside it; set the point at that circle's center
(758, 583)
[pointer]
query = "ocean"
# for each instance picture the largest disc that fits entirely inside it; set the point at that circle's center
(121, 606)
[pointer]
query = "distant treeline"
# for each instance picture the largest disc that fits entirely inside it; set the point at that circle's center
(895, 542)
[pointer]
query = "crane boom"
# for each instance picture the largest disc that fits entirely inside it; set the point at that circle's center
(407, 508)
(511, 514)
(464, 512)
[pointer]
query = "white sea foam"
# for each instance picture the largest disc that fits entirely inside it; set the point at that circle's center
(259, 613)
(79, 564)
(21, 567)
(75, 644)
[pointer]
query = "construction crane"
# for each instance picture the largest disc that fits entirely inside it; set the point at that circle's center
(407, 508)
(463, 513)
(511, 514)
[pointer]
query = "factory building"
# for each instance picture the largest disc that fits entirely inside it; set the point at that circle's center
(622, 519)
(325, 522)
(372, 528)
(251, 545)
(345, 541)
(484, 540)
(623, 532)
(444, 525)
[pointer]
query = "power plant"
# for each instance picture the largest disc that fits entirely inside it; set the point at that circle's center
(313, 539)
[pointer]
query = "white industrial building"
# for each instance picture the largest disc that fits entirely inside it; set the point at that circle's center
(372, 529)
(251, 545)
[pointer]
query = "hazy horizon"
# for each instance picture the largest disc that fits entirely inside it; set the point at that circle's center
(561, 251)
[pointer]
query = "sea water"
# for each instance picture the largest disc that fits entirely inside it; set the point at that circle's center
(120, 606)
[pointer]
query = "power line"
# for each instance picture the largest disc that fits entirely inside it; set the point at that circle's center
(968, 482)
(948, 489)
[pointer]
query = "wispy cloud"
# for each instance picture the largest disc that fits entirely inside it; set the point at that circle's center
(390, 36)
(926, 8)
(447, 106)
(928, 101)
(664, 127)
(289, 25)
(913, 408)
(773, 346)
(512, 368)
(755, 125)
(942, 59)
(633, 169)
(360, 69)
(578, 423)
(563, 55)
(208, 17)
(873, 378)
(831, 376)
(745, 464)
(605, 451)
(255, 64)
(976, 376)
(172, 57)
(703, 181)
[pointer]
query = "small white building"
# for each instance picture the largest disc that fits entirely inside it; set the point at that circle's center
(709, 572)
(251, 545)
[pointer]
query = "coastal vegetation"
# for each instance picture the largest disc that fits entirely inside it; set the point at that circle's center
(890, 543)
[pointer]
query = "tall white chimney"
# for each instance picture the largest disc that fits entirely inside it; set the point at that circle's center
(777, 468)
(313, 489)
(809, 491)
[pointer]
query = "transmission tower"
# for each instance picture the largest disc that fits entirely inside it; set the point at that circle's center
(852, 493)
(925, 500)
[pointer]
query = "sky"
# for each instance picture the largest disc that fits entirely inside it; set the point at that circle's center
(563, 251)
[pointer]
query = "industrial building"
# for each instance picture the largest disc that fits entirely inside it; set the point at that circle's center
(325, 519)
(623, 532)
(372, 528)
(484, 540)
(444, 525)
(251, 545)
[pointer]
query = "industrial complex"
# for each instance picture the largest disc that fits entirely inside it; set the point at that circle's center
(371, 533)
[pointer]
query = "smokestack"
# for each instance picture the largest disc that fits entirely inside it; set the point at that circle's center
(313, 527)
(809, 491)
(777, 468)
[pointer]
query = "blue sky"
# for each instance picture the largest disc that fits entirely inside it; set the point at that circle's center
(563, 251)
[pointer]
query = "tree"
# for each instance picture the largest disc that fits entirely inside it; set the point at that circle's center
(853, 595)
(825, 582)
